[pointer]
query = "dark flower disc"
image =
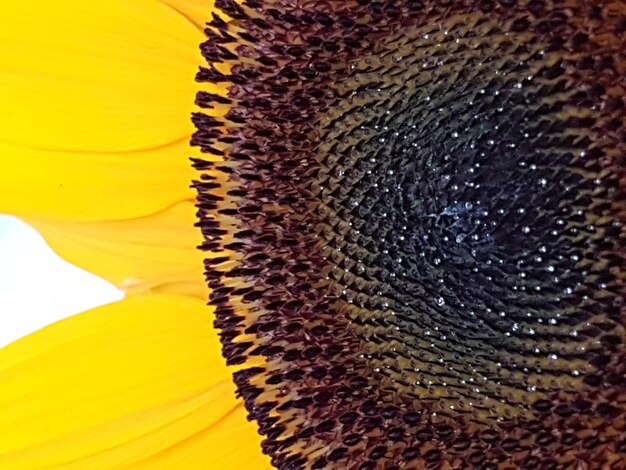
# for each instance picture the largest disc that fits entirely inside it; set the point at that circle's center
(415, 216)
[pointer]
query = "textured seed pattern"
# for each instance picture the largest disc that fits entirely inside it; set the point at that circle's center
(414, 212)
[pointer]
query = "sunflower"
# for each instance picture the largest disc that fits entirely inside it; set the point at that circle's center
(409, 215)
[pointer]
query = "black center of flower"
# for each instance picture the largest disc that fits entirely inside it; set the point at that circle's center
(415, 214)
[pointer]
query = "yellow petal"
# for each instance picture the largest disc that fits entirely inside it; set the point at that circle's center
(227, 455)
(138, 380)
(93, 186)
(156, 252)
(96, 76)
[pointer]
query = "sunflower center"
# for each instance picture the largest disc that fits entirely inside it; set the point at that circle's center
(418, 218)
(453, 187)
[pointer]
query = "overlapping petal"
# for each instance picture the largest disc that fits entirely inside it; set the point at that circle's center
(140, 381)
(94, 137)
(196, 11)
(154, 252)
